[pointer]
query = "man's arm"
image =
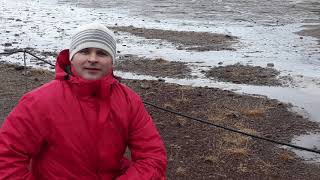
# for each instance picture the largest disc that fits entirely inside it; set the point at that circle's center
(148, 153)
(20, 137)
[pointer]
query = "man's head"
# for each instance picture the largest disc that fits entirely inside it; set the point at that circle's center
(92, 51)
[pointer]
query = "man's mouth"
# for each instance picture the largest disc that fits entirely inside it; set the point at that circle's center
(92, 69)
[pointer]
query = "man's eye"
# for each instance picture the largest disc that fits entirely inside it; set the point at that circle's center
(101, 53)
(84, 51)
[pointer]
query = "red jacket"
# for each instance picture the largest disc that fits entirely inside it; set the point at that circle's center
(71, 128)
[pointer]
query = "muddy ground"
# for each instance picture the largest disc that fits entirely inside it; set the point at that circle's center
(157, 67)
(183, 40)
(236, 73)
(245, 74)
(196, 151)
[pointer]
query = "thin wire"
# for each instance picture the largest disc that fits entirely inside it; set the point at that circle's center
(25, 51)
(233, 130)
(25, 71)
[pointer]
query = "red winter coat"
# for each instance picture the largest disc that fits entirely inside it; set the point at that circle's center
(72, 128)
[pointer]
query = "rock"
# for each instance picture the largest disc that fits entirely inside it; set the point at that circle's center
(234, 114)
(270, 65)
(127, 55)
(180, 171)
(220, 63)
(268, 136)
(179, 48)
(19, 68)
(144, 86)
(26, 73)
(7, 44)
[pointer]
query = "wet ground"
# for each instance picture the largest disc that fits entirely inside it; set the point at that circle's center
(226, 155)
(255, 75)
(157, 68)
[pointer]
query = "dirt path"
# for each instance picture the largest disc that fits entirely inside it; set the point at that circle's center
(196, 151)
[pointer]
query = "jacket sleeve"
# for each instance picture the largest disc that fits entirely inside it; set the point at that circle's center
(20, 138)
(148, 153)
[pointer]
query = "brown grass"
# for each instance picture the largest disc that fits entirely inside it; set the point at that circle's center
(236, 139)
(168, 105)
(254, 113)
(239, 151)
(211, 159)
(242, 168)
(285, 156)
(181, 121)
(180, 171)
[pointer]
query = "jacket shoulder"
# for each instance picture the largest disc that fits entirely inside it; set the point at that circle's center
(44, 92)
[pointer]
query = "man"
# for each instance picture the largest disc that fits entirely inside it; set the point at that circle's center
(79, 125)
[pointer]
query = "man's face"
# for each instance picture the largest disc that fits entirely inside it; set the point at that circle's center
(92, 63)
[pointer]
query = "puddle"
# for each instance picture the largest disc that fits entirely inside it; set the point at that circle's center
(311, 141)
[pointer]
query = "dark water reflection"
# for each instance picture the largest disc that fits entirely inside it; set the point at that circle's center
(272, 12)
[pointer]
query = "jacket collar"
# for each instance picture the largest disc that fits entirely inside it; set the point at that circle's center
(82, 87)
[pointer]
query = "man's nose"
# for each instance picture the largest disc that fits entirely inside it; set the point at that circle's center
(92, 57)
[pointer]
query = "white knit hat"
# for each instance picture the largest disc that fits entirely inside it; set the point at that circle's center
(93, 35)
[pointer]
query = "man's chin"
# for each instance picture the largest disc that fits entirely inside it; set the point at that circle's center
(92, 77)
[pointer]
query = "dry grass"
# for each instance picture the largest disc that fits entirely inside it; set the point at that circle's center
(168, 105)
(254, 113)
(241, 127)
(239, 151)
(242, 168)
(237, 145)
(236, 139)
(285, 156)
(183, 98)
(181, 121)
(216, 117)
(174, 150)
(211, 159)
(180, 171)
(186, 87)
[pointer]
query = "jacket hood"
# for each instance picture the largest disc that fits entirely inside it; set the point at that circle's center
(64, 71)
